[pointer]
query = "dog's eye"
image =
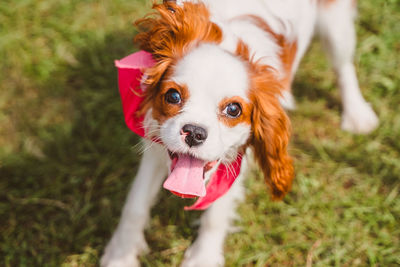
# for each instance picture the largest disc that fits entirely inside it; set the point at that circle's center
(232, 110)
(173, 97)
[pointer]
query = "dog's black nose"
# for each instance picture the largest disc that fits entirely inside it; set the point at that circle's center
(195, 135)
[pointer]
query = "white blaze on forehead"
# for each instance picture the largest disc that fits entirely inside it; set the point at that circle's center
(212, 72)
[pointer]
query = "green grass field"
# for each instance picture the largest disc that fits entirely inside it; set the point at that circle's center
(67, 158)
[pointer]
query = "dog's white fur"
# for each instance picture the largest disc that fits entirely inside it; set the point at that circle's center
(204, 71)
(209, 67)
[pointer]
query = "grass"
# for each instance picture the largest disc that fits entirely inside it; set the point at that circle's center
(66, 157)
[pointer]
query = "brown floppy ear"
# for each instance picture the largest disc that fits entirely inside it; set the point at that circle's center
(270, 134)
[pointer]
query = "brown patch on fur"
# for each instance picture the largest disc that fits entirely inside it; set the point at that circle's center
(162, 110)
(288, 54)
(270, 126)
(172, 33)
(288, 49)
(245, 116)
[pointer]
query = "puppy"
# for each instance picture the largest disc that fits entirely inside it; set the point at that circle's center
(220, 72)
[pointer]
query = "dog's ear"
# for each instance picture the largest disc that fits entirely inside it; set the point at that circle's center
(270, 133)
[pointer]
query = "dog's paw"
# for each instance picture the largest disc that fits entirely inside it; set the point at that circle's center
(121, 252)
(202, 258)
(360, 119)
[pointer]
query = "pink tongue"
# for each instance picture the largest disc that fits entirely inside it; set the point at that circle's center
(186, 179)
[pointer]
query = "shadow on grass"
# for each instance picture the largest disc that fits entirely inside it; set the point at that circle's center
(69, 201)
(306, 88)
(373, 155)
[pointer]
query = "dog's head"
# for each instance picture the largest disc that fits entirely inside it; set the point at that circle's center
(208, 104)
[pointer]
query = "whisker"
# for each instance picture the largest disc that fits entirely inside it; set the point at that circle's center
(229, 169)
(148, 147)
(136, 146)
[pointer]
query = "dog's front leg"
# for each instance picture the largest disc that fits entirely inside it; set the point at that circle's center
(128, 240)
(216, 223)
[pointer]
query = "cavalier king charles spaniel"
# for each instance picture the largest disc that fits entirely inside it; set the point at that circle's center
(207, 92)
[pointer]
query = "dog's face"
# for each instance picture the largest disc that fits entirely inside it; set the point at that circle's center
(204, 107)
(210, 104)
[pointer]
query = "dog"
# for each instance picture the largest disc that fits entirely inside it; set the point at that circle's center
(214, 98)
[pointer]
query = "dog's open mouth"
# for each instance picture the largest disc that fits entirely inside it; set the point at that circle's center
(187, 175)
